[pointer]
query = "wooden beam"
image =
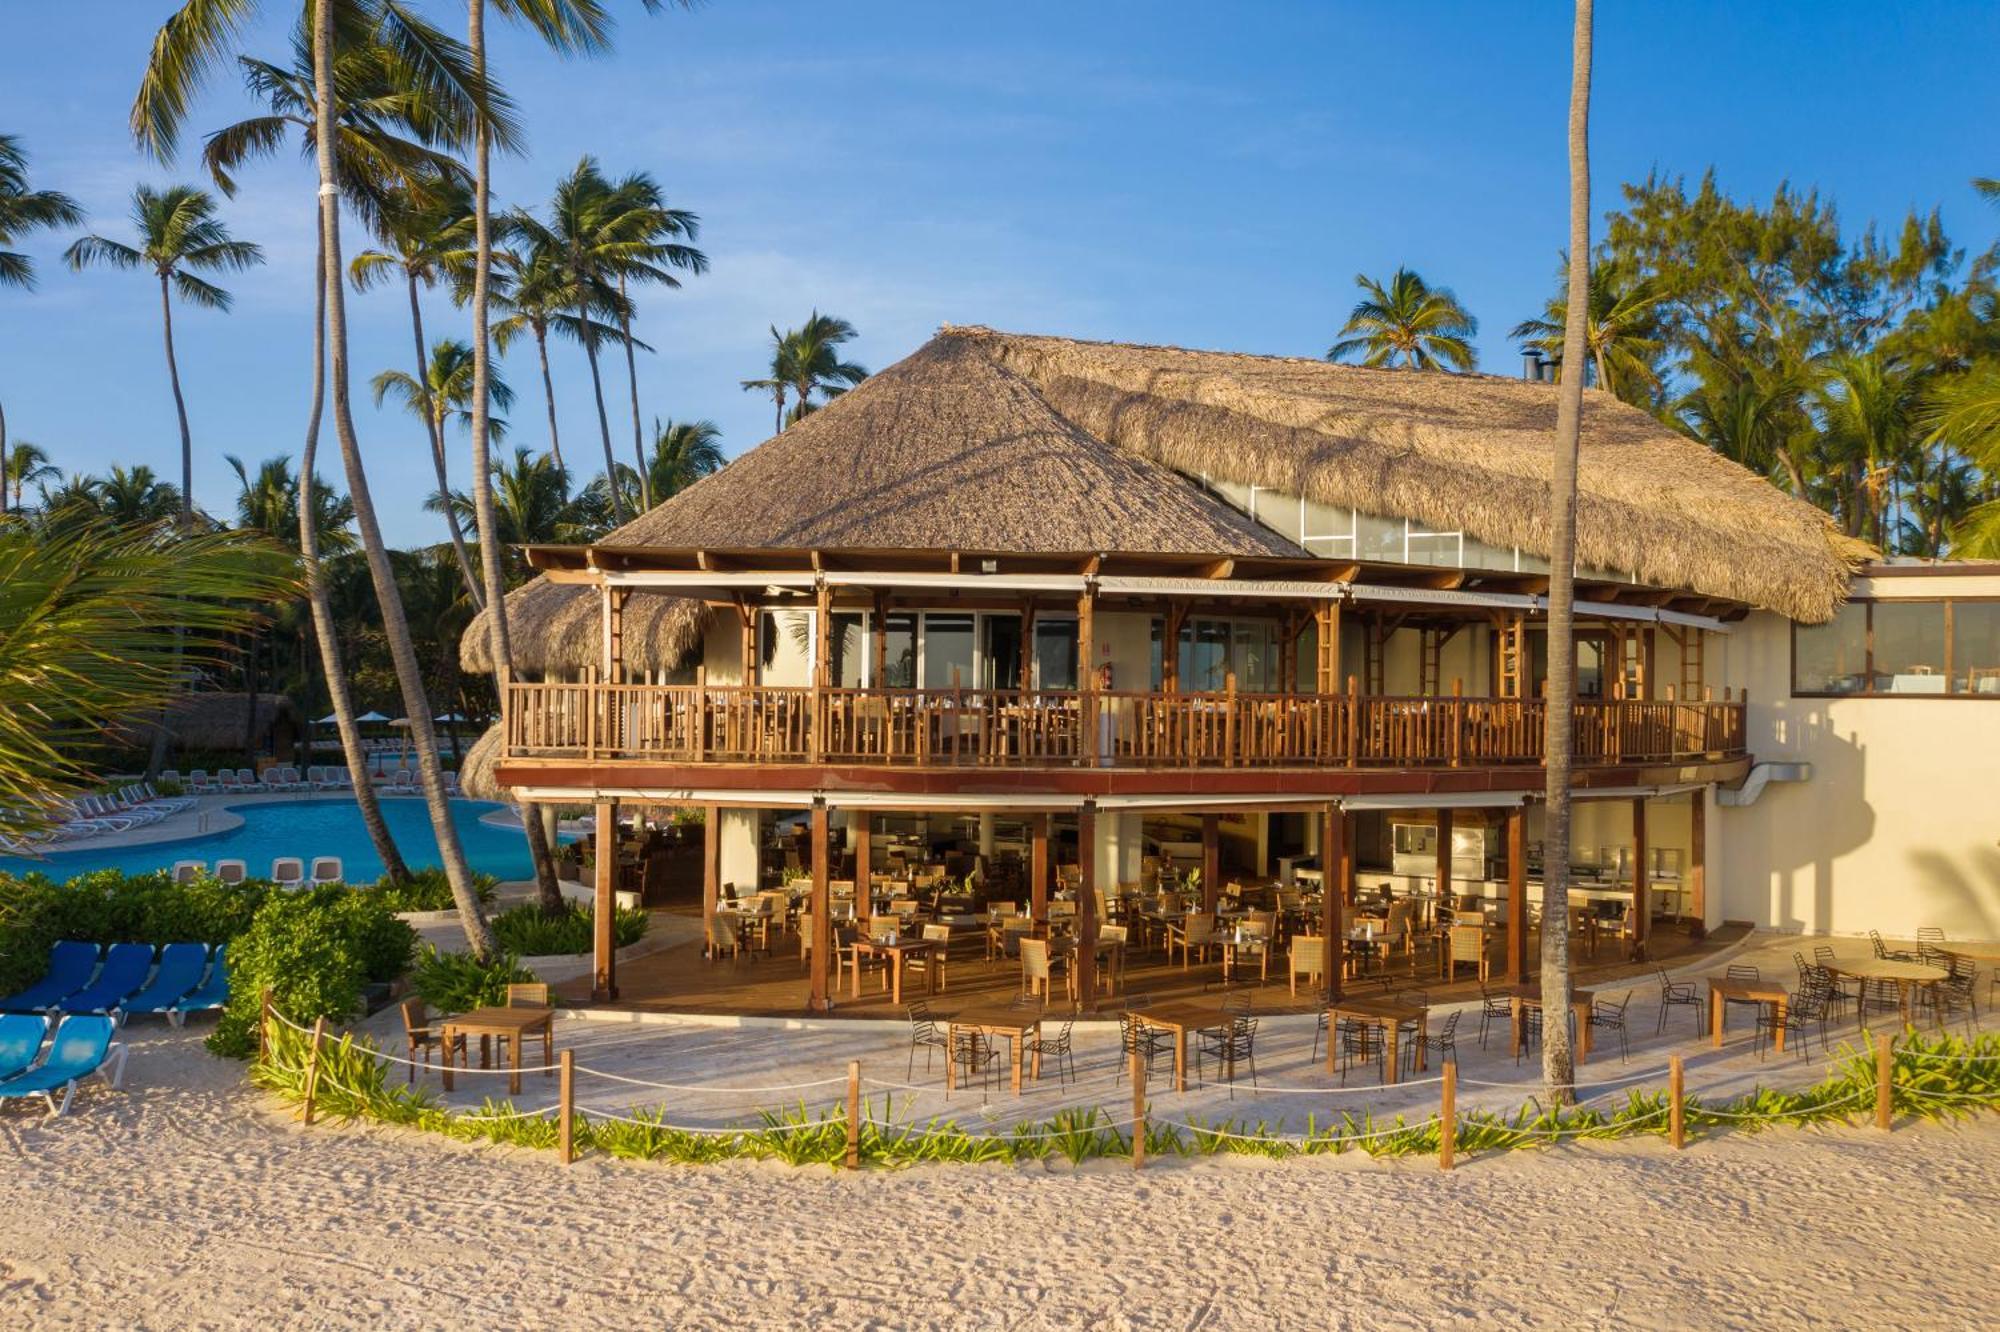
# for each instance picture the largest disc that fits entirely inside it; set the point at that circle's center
(864, 854)
(1347, 831)
(1332, 851)
(1327, 675)
(1444, 828)
(1038, 868)
(1697, 880)
(1642, 898)
(1211, 860)
(711, 871)
(1085, 957)
(1517, 895)
(821, 998)
(603, 951)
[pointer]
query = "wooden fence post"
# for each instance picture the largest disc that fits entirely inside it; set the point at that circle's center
(566, 1116)
(854, 1114)
(312, 1067)
(1138, 1111)
(1448, 1116)
(1884, 1072)
(264, 1027)
(1676, 1108)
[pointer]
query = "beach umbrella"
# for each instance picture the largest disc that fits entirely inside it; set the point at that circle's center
(372, 717)
(328, 720)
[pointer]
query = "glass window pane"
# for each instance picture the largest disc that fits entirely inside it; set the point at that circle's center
(1055, 653)
(849, 649)
(1380, 539)
(1975, 647)
(948, 652)
(1254, 654)
(899, 666)
(1000, 665)
(1909, 647)
(1156, 660)
(1211, 656)
(1831, 658)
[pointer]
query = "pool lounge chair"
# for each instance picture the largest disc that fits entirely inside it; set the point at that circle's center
(246, 779)
(231, 871)
(126, 966)
(20, 1041)
(288, 872)
(199, 783)
(71, 965)
(82, 1046)
(213, 992)
(182, 966)
(187, 871)
(328, 869)
(225, 781)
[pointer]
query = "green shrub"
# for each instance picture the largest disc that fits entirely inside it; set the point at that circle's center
(456, 982)
(314, 951)
(532, 932)
(429, 890)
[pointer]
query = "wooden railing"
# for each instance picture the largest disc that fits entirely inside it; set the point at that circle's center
(1071, 728)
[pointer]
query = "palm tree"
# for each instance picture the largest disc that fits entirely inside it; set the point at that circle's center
(23, 210)
(1624, 343)
(22, 465)
(135, 497)
(444, 392)
(1558, 1061)
(812, 361)
(683, 453)
(1868, 406)
(656, 235)
(532, 506)
(1407, 323)
(777, 381)
(430, 236)
(179, 236)
(1966, 410)
(532, 292)
(1755, 418)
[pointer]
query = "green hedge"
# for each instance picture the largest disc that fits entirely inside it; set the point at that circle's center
(532, 932)
(109, 907)
(316, 952)
(429, 890)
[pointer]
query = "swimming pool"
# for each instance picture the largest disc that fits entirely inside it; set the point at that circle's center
(308, 828)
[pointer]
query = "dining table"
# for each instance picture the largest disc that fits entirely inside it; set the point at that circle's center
(1015, 1025)
(897, 952)
(1177, 1019)
(1387, 1015)
(1722, 989)
(510, 1025)
(1522, 998)
(1905, 976)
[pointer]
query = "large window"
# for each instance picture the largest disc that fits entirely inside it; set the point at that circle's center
(1901, 649)
(948, 652)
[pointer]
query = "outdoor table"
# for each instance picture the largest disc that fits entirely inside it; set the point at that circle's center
(1905, 974)
(1177, 1019)
(1230, 946)
(1110, 956)
(1763, 992)
(1529, 996)
(1013, 1023)
(897, 953)
(1975, 952)
(1388, 1015)
(508, 1024)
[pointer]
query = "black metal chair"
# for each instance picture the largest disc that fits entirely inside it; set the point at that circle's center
(1806, 1010)
(1955, 994)
(1359, 1042)
(1838, 995)
(975, 1056)
(925, 1033)
(1492, 1006)
(1611, 1017)
(1680, 994)
(1135, 1038)
(1750, 975)
(1444, 1045)
(1058, 1048)
(1230, 1045)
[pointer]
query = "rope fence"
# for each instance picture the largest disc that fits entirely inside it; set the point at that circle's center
(1088, 1123)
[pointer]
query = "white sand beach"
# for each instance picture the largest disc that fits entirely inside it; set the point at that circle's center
(192, 1201)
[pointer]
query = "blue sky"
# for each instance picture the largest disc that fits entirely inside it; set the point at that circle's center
(1208, 175)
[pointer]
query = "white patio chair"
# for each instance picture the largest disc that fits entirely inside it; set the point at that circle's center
(231, 871)
(199, 783)
(288, 872)
(225, 780)
(327, 869)
(187, 871)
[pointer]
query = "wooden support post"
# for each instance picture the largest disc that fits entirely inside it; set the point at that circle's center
(1517, 895)
(821, 998)
(1642, 897)
(1885, 1068)
(746, 617)
(1332, 851)
(1697, 874)
(864, 853)
(1676, 1102)
(1085, 958)
(1211, 860)
(566, 1112)
(1086, 672)
(604, 906)
(880, 647)
(1347, 837)
(711, 873)
(822, 670)
(1326, 675)
(1038, 868)
(854, 1114)
(1138, 1110)
(1444, 831)
(313, 1067)
(1447, 1115)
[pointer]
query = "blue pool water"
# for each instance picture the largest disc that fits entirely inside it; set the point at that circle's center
(308, 828)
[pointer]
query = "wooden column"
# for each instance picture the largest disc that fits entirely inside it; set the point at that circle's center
(1326, 678)
(864, 854)
(880, 648)
(1086, 907)
(1444, 825)
(1211, 860)
(1170, 647)
(1347, 859)
(1517, 895)
(1086, 671)
(746, 620)
(1332, 853)
(711, 871)
(1642, 897)
(1038, 868)
(604, 960)
(1027, 680)
(821, 998)
(1697, 871)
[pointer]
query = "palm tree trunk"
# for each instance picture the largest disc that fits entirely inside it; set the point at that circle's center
(180, 407)
(604, 426)
(395, 626)
(546, 886)
(325, 631)
(6, 463)
(632, 377)
(435, 428)
(548, 393)
(1558, 1060)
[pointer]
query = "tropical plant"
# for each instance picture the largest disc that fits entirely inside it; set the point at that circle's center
(1623, 341)
(444, 392)
(179, 237)
(313, 953)
(22, 211)
(457, 982)
(532, 505)
(683, 453)
(428, 889)
(1408, 323)
(530, 931)
(1966, 409)
(532, 292)
(812, 361)
(22, 464)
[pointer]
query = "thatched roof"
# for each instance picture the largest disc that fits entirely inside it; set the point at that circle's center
(554, 627)
(216, 721)
(996, 441)
(475, 770)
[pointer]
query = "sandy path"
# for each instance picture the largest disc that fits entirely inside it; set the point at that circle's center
(188, 1202)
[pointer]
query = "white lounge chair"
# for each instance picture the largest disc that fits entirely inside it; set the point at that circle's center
(288, 872)
(327, 869)
(187, 871)
(231, 871)
(199, 783)
(225, 780)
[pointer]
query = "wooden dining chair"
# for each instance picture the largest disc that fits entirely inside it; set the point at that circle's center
(1308, 959)
(423, 1038)
(532, 994)
(1038, 968)
(1467, 945)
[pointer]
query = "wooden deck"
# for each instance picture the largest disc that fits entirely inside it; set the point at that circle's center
(679, 980)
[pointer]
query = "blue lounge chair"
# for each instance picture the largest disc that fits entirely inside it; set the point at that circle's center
(70, 967)
(181, 968)
(82, 1046)
(126, 967)
(20, 1041)
(211, 993)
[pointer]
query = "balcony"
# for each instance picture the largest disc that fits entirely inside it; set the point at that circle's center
(997, 729)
